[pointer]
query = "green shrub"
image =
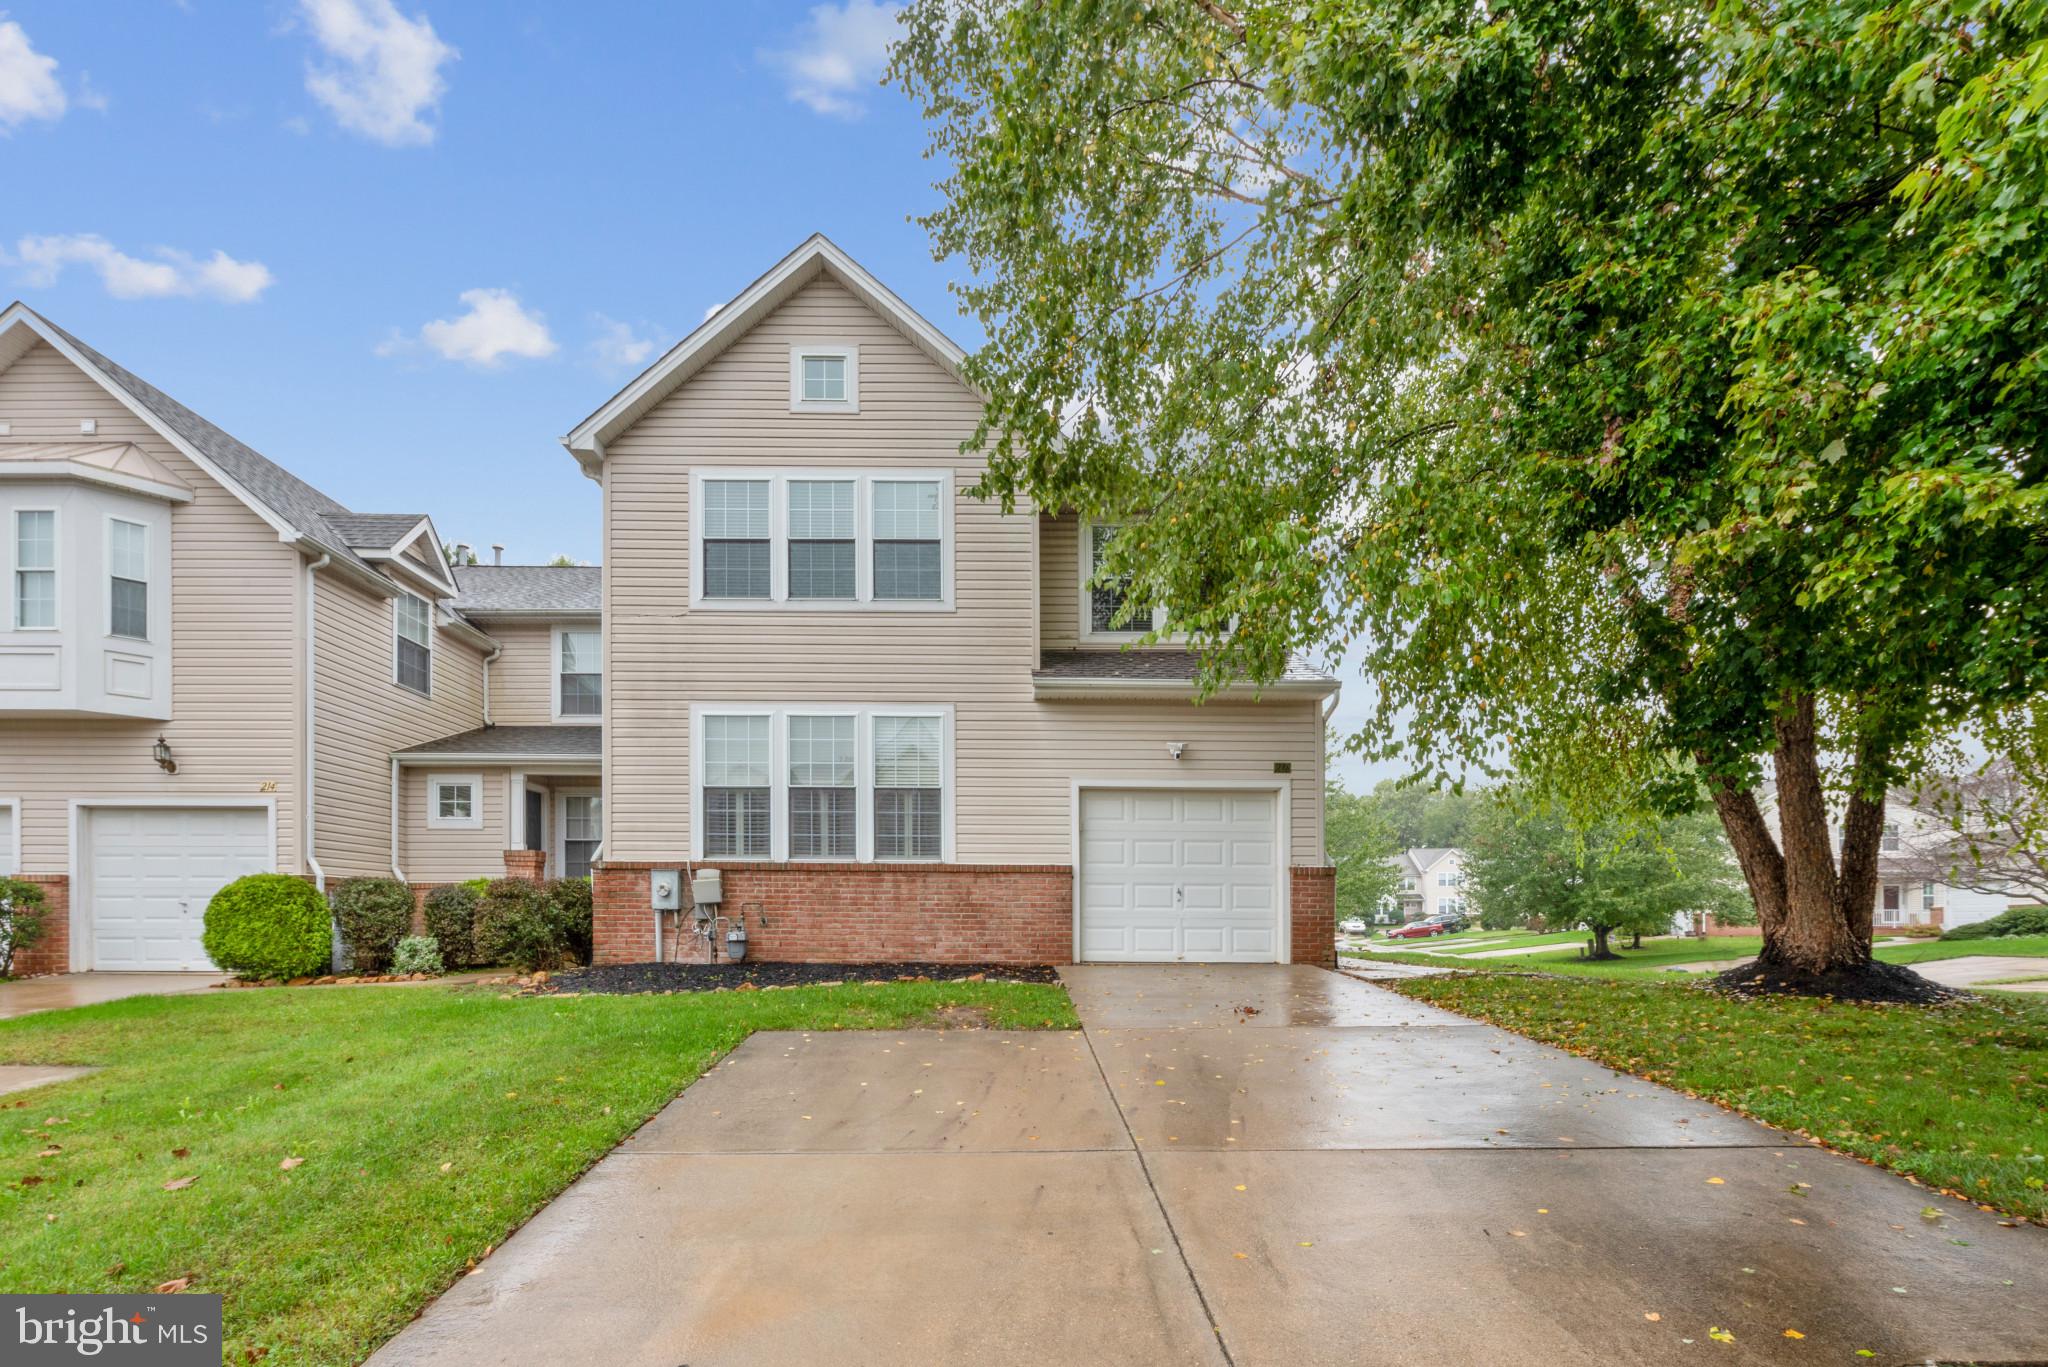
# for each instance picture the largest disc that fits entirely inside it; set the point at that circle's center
(1913, 930)
(2017, 921)
(573, 904)
(451, 920)
(374, 915)
(21, 920)
(417, 954)
(268, 925)
(479, 886)
(516, 924)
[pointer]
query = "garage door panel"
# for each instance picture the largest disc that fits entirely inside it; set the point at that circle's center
(151, 872)
(1169, 876)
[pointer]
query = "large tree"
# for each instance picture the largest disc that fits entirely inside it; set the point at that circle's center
(1653, 389)
(1360, 843)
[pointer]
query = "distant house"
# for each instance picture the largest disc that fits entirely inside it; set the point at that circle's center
(1432, 883)
(1918, 854)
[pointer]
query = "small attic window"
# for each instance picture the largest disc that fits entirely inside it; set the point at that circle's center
(824, 377)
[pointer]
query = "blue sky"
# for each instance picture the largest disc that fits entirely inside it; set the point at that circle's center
(402, 247)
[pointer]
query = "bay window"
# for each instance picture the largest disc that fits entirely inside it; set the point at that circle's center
(127, 579)
(812, 539)
(811, 781)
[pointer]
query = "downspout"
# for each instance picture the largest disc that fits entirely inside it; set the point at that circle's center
(306, 801)
(489, 660)
(396, 872)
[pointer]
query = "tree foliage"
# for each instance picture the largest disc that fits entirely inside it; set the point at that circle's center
(1536, 864)
(1359, 842)
(1653, 390)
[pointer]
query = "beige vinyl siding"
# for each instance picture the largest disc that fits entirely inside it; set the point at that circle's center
(522, 677)
(430, 855)
(1059, 582)
(362, 716)
(1015, 759)
(235, 728)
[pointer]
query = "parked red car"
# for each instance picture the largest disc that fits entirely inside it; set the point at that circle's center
(1418, 930)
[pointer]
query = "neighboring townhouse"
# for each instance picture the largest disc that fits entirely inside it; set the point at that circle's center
(902, 723)
(1432, 883)
(206, 665)
(519, 792)
(1917, 853)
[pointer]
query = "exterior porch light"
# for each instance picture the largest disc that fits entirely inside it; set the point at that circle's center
(161, 753)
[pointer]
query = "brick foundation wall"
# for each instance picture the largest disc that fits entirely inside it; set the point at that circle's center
(854, 913)
(1313, 904)
(530, 865)
(52, 953)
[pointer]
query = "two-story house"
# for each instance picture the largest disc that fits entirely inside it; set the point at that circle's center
(901, 723)
(1432, 883)
(208, 668)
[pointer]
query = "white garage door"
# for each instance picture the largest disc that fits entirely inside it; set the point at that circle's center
(1179, 876)
(153, 870)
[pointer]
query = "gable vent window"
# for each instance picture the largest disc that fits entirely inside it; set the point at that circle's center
(821, 538)
(413, 650)
(35, 570)
(128, 579)
(824, 377)
(736, 548)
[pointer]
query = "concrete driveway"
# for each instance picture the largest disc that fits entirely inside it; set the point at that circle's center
(1241, 1166)
(61, 990)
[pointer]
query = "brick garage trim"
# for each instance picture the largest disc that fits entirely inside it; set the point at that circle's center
(52, 954)
(949, 913)
(858, 913)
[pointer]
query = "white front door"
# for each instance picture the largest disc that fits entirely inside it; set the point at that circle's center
(1169, 876)
(152, 870)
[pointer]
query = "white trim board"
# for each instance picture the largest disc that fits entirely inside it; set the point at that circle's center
(1282, 791)
(13, 848)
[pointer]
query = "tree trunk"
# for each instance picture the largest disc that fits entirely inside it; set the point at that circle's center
(1637, 942)
(1600, 947)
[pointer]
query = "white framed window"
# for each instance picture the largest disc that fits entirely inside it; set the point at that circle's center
(582, 827)
(821, 781)
(579, 674)
(127, 579)
(1927, 898)
(824, 377)
(455, 802)
(412, 643)
(1107, 614)
(10, 836)
(1889, 840)
(35, 569)
(811, 540)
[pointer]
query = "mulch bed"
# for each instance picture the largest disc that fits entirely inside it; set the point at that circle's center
(1875, 982)
(621, 978)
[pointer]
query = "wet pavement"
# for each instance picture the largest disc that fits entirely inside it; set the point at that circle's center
(20, 1077)
(1245, 1165)
(61, 990)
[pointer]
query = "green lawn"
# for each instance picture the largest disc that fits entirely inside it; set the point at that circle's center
(432, 1122)
(1486, 941)
(1658, 955)
(1956, 1096)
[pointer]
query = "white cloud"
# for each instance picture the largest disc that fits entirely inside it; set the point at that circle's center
(169, 274)
(386, 72)
(28, 80)
(840, 54)
(712, 311)
(496, 326)
(617, 346)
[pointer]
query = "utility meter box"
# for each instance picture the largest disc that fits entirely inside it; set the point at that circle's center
(707, 889)
(665, 887)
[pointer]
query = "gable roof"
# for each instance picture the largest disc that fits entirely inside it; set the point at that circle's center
(374, 531)
(1429, 856)
(816, 256)
(528, 590)
(295, 509)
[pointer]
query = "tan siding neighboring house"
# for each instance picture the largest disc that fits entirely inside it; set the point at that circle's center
(522, 677)
(363, 717)
(234, 628)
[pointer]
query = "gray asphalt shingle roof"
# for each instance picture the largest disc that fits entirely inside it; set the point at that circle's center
(554, 742)
(1156, 666)
(527, 590)
(374, 531)
(312, 513)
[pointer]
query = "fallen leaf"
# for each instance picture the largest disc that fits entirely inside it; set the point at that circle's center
(1794, 1334)
(1240, 1186)
(1240, 1255)
(179, 1183)
(1652, 1316)
(1720, 1335)
(287, 1164)
(181, 1153)
(1519, 1233)
(1717, 1181)
(446, 1166)
(173, 1287)
(52, 1151)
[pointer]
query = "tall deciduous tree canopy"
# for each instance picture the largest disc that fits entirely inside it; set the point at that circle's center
(1360, 842)
(1653, 389)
